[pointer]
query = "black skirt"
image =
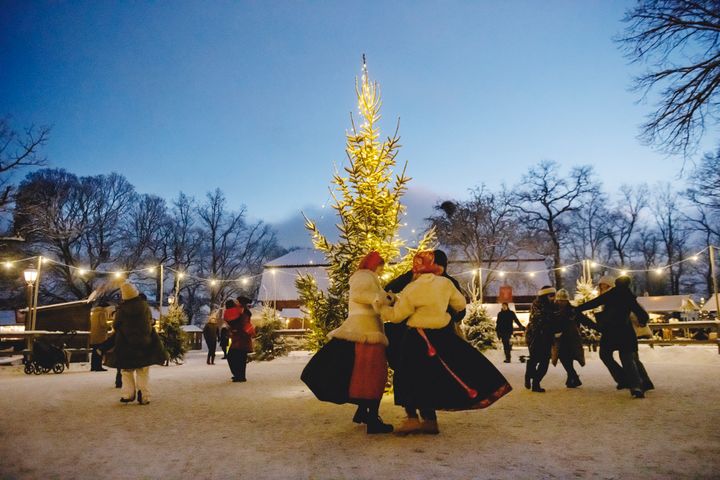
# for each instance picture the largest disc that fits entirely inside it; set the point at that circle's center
(329, 371)
(456, 377)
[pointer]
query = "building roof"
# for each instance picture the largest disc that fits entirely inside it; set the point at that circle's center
(7, 317)
(668, 303)
(300, 257)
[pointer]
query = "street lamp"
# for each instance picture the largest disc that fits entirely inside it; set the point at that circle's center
(30, 278)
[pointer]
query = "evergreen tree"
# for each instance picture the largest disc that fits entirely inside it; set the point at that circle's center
(478, 327)
(268, 342)
(367, 201)
(173, 337)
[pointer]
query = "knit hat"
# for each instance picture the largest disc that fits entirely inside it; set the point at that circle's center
(607, 280)
(441, 258)
(562, 294)
(371, 261)
(546, 291)
(128, 291)
(424, 262)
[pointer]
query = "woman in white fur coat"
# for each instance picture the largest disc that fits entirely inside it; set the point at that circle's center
(352, 366)
(436, 369)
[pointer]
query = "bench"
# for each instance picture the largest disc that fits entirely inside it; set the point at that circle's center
(74, 354)
(686, 340)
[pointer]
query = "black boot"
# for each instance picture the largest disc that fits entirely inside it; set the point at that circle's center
(637, 393)
(376, 425)
(536, 387)
(360, 415)
(527, 382)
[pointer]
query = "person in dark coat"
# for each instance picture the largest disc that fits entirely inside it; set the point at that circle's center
(437, 369)
(618, 334)
(539, 336)
(504, 328)
(210, 334)
(570, 347)
(237, 316)
(137, 345)
(224, 339)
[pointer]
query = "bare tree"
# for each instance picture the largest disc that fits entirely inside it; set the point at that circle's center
(680, 40)
(483, 229)
(623, 219)
(587, 229)
(673, 232)
(545, 200)
(647, 246)
(18, 151)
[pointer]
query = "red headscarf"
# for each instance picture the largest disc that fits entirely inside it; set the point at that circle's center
(371, 261)
(424, 262)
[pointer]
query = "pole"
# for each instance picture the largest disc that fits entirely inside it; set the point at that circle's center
(160, 295)
(35, 296)
(714, 281)
(480, 284)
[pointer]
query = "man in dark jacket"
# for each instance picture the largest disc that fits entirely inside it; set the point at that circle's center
(618, 334)
(539, 336)
(504, 328)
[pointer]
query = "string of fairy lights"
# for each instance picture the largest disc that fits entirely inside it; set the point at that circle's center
(84, 272)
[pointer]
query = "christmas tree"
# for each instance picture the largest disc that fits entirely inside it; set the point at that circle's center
(268, 343)
(366, 198)
(173, 337)
(478, 327)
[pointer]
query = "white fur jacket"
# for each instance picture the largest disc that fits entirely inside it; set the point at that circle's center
(424, 302)
(363, 324)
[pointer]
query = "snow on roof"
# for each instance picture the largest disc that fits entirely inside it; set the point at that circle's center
(191, 328)
(291, 313)
(710, 304)
(299, 257)
(7, 317)
(667, 303)
(279, 283)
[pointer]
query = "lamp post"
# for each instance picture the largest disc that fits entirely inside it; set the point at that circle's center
(30, 277)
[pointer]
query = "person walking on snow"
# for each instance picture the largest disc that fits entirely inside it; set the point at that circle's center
(137, 345)
(569, 344)
(352, 366)
(504, 328)
(210, 334)
(539, 336)
(436, 369)
(619, 334)
(237, 316)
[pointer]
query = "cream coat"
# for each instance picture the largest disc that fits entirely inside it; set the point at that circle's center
(424, 302)
(363, 324)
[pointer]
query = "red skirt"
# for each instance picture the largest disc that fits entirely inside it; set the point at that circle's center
(369, 373)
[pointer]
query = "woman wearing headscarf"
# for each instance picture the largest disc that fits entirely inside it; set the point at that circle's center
(352, 366)
(436, 369)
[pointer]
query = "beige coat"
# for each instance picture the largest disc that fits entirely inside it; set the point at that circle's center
(363, 324)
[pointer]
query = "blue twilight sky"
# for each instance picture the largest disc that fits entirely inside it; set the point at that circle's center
(254, 97)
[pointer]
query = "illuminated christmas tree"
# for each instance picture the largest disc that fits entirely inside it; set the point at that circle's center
(366, 198)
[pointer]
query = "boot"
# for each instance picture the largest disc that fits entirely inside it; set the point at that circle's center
(536, 387)
(527, 382)
(127, 400)
(430, 427)
(141, 400)
(637, 393)
(360, 415)
(409, 426)
(376, 425)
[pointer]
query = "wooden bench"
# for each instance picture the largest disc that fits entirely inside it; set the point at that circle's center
(686, 326)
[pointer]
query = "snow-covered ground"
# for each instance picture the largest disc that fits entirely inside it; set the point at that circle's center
(199, 425)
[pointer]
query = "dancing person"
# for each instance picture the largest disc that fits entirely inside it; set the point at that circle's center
(210, 334)
(237, 315)
(137, 345)
(352, 366)
(504, 328)
(436, 369)
(539, 335)
(618, 334)
(570, 347)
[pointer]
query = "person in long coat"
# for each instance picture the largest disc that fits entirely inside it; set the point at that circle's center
(137, 345)
(504, 328)
(437, 369)
(540, 334)
(210, 334)
(569, 344)
(238, 317)
(618, 334)
(352, 366)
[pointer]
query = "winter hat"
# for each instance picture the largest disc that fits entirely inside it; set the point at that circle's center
(546, 290)
(128, 291)
(562, 294)
(622, 281)
(230, 304)
(424, 262)
(607, 280)
(244, 301)
(371, 261)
